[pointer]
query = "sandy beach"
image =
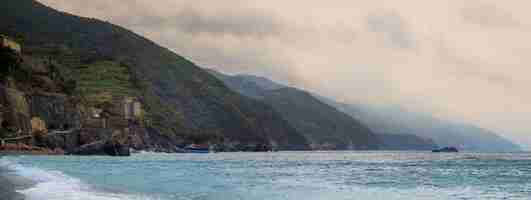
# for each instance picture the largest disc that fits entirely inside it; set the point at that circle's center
(9, 183)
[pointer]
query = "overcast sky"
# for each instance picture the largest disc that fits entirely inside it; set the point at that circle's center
(463, 60)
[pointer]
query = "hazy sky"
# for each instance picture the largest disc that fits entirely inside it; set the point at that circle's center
(464, 60)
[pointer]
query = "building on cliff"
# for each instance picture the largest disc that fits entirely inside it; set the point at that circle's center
(6, 42)
(129, 110)
(132, 108)
(123, 111)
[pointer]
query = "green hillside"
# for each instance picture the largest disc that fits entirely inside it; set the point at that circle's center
(181, 98)
(323, 125)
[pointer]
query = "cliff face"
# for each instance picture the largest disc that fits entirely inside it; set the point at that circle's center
(16, 115)
(56, 110)
(42, 118)
(180, 99)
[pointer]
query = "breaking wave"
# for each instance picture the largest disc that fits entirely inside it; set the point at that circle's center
(55, 185)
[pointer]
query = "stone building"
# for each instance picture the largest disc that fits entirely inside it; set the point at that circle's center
(97, 119)
(132, 108)
(123, 111)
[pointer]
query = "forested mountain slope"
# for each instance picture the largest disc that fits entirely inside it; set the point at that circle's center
(323, 125)
(180, 98)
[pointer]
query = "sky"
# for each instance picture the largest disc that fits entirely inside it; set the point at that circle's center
(460, 60)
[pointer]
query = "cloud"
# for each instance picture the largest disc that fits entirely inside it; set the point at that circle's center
(193, 22)
(489, 16)
(393, 28)
(461, 60)
(472, 68)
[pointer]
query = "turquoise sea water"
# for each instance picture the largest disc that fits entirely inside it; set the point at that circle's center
(277, 176)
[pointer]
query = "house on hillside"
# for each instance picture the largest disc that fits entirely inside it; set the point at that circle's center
(6, 42)
(132, 108)
(123, 111)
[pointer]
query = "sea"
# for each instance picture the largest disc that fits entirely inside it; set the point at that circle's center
(274, 176)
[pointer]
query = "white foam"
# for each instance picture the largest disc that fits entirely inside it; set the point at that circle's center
(142, 152)
(54, 185)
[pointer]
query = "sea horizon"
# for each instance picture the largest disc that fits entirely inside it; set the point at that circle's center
(273, 175)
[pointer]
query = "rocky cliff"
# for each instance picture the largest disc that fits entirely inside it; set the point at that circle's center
(43, 118)
(181, 101)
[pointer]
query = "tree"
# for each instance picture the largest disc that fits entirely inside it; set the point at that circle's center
(9, 61)
(19, 37)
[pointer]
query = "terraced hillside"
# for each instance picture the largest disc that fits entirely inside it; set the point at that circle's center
(180, 98)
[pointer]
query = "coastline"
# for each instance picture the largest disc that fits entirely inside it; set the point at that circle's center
(23, 149)
(9, 184)
(8, 189)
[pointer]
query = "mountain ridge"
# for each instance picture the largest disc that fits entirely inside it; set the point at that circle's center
(180, 98)
(324, 126)
(384, 123)
(319, 121)
(397, 120)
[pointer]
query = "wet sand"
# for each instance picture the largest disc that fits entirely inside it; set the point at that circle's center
(9, 184)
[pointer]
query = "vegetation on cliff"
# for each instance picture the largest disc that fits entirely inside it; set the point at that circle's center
(180, 98)
(323, 126)
(100, 80)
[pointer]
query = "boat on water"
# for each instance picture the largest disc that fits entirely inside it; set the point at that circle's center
(446, 150)
(197, 148)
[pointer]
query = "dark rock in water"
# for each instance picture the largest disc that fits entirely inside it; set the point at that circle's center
(67, 142)
(95, 148)
(117, 149)
(446, 150)
(87, 142)
(116, 145)
(110, 148)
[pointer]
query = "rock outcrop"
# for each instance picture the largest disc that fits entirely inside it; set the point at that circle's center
(42, 118)
(104, 147)
(16, 116)
(446, 150)
(57, 110)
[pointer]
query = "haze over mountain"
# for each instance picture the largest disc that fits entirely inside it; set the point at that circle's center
(396, 120)
(395, 126)
(459, 60)
(324, 126)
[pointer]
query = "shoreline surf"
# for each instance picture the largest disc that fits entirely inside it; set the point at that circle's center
(24, 182)
(10, 184)
(292, 175)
